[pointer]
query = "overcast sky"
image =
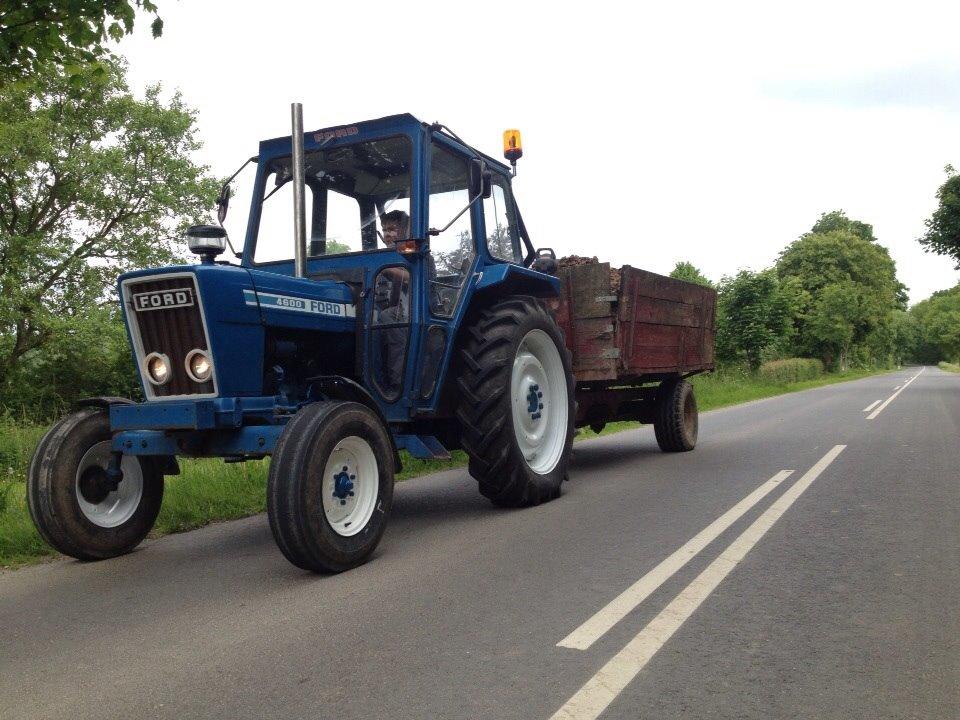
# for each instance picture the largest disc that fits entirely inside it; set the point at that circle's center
(710, 132)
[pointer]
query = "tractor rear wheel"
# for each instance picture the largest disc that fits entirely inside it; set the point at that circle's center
(73, 503)
(330, 486)
(677, 420)
(516, 408)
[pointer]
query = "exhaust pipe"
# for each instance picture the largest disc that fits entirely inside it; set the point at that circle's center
(299, 204)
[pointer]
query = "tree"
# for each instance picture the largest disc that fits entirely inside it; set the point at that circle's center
(753, 317)
(335, 247)
(943, 227)
(904, 336)
(92, 182)
(937, 326)
(828, 267)
(500, 243)
(37, 33)
(684, 270)
(832, 322)
(838, 220)
(90, 356)
(688, 271)
(451, 261)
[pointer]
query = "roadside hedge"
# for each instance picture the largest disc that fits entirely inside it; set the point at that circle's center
(791, 370)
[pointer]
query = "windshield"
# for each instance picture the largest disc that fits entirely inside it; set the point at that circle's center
(348, 189)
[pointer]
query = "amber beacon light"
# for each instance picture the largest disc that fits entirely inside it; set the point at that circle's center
(512, 147)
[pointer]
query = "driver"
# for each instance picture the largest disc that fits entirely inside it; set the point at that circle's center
(396, 226)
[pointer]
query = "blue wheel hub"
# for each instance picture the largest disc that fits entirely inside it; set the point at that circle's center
(534, 406)
(343, 485)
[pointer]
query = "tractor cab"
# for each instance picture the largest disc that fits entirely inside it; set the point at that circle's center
(405, 215)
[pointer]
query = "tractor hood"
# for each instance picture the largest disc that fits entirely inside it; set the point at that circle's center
(226, 310)
(230, 294)
(284, 301)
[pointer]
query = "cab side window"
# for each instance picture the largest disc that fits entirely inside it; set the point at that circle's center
(503, 238)
(452, 251)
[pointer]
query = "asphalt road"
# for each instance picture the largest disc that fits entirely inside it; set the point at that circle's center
(831, 592)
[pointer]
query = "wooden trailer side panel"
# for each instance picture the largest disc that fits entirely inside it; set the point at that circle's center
(585, 313)
(664, 324)
(654, 325)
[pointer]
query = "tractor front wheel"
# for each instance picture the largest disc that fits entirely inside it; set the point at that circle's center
(76, 507)
(330, 486)
(516, 409)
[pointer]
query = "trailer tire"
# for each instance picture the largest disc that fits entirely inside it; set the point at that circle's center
(677, 421)
(71, 513)
(516, 408)
(330, 486)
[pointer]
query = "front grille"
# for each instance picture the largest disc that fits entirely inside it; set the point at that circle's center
(165, 317)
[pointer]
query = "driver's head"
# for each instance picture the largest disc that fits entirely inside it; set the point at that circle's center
(396, 226)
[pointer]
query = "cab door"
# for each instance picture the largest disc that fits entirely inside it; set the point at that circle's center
(450, 263)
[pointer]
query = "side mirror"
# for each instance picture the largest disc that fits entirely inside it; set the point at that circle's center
(223, 203)
(481, 179)
(545, 261)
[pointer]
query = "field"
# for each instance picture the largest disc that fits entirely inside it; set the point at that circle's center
(210, 490)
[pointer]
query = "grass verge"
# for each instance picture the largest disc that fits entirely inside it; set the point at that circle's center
(211, 490)
(949, 367)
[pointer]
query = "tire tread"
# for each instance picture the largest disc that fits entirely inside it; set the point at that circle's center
(484, 412)
(668, 425)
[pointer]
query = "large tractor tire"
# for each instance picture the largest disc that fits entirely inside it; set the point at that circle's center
(330, 486)
(677, 420)
(516, 407)
(73, 503)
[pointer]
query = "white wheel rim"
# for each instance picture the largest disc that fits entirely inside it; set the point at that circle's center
(538, 388)
(351, 484)
(120, 505)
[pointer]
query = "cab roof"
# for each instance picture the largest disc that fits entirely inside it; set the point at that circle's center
(404, 123)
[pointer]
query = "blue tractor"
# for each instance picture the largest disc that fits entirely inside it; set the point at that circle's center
(407, 314)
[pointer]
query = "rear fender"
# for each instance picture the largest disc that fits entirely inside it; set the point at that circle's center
(508, 279)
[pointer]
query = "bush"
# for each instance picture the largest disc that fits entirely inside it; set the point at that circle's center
(791, 370)
(16, 448)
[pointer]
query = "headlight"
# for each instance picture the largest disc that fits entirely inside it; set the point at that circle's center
(158, 368)
(199, 367)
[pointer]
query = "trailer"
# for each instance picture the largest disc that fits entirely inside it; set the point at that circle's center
(635, 337)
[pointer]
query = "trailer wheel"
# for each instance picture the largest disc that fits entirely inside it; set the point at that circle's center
(330, 486)
(677, 419)
(516, 407)
(74, 506)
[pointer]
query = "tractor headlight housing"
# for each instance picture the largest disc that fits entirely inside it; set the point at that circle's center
(158, 368)
(199, 366)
